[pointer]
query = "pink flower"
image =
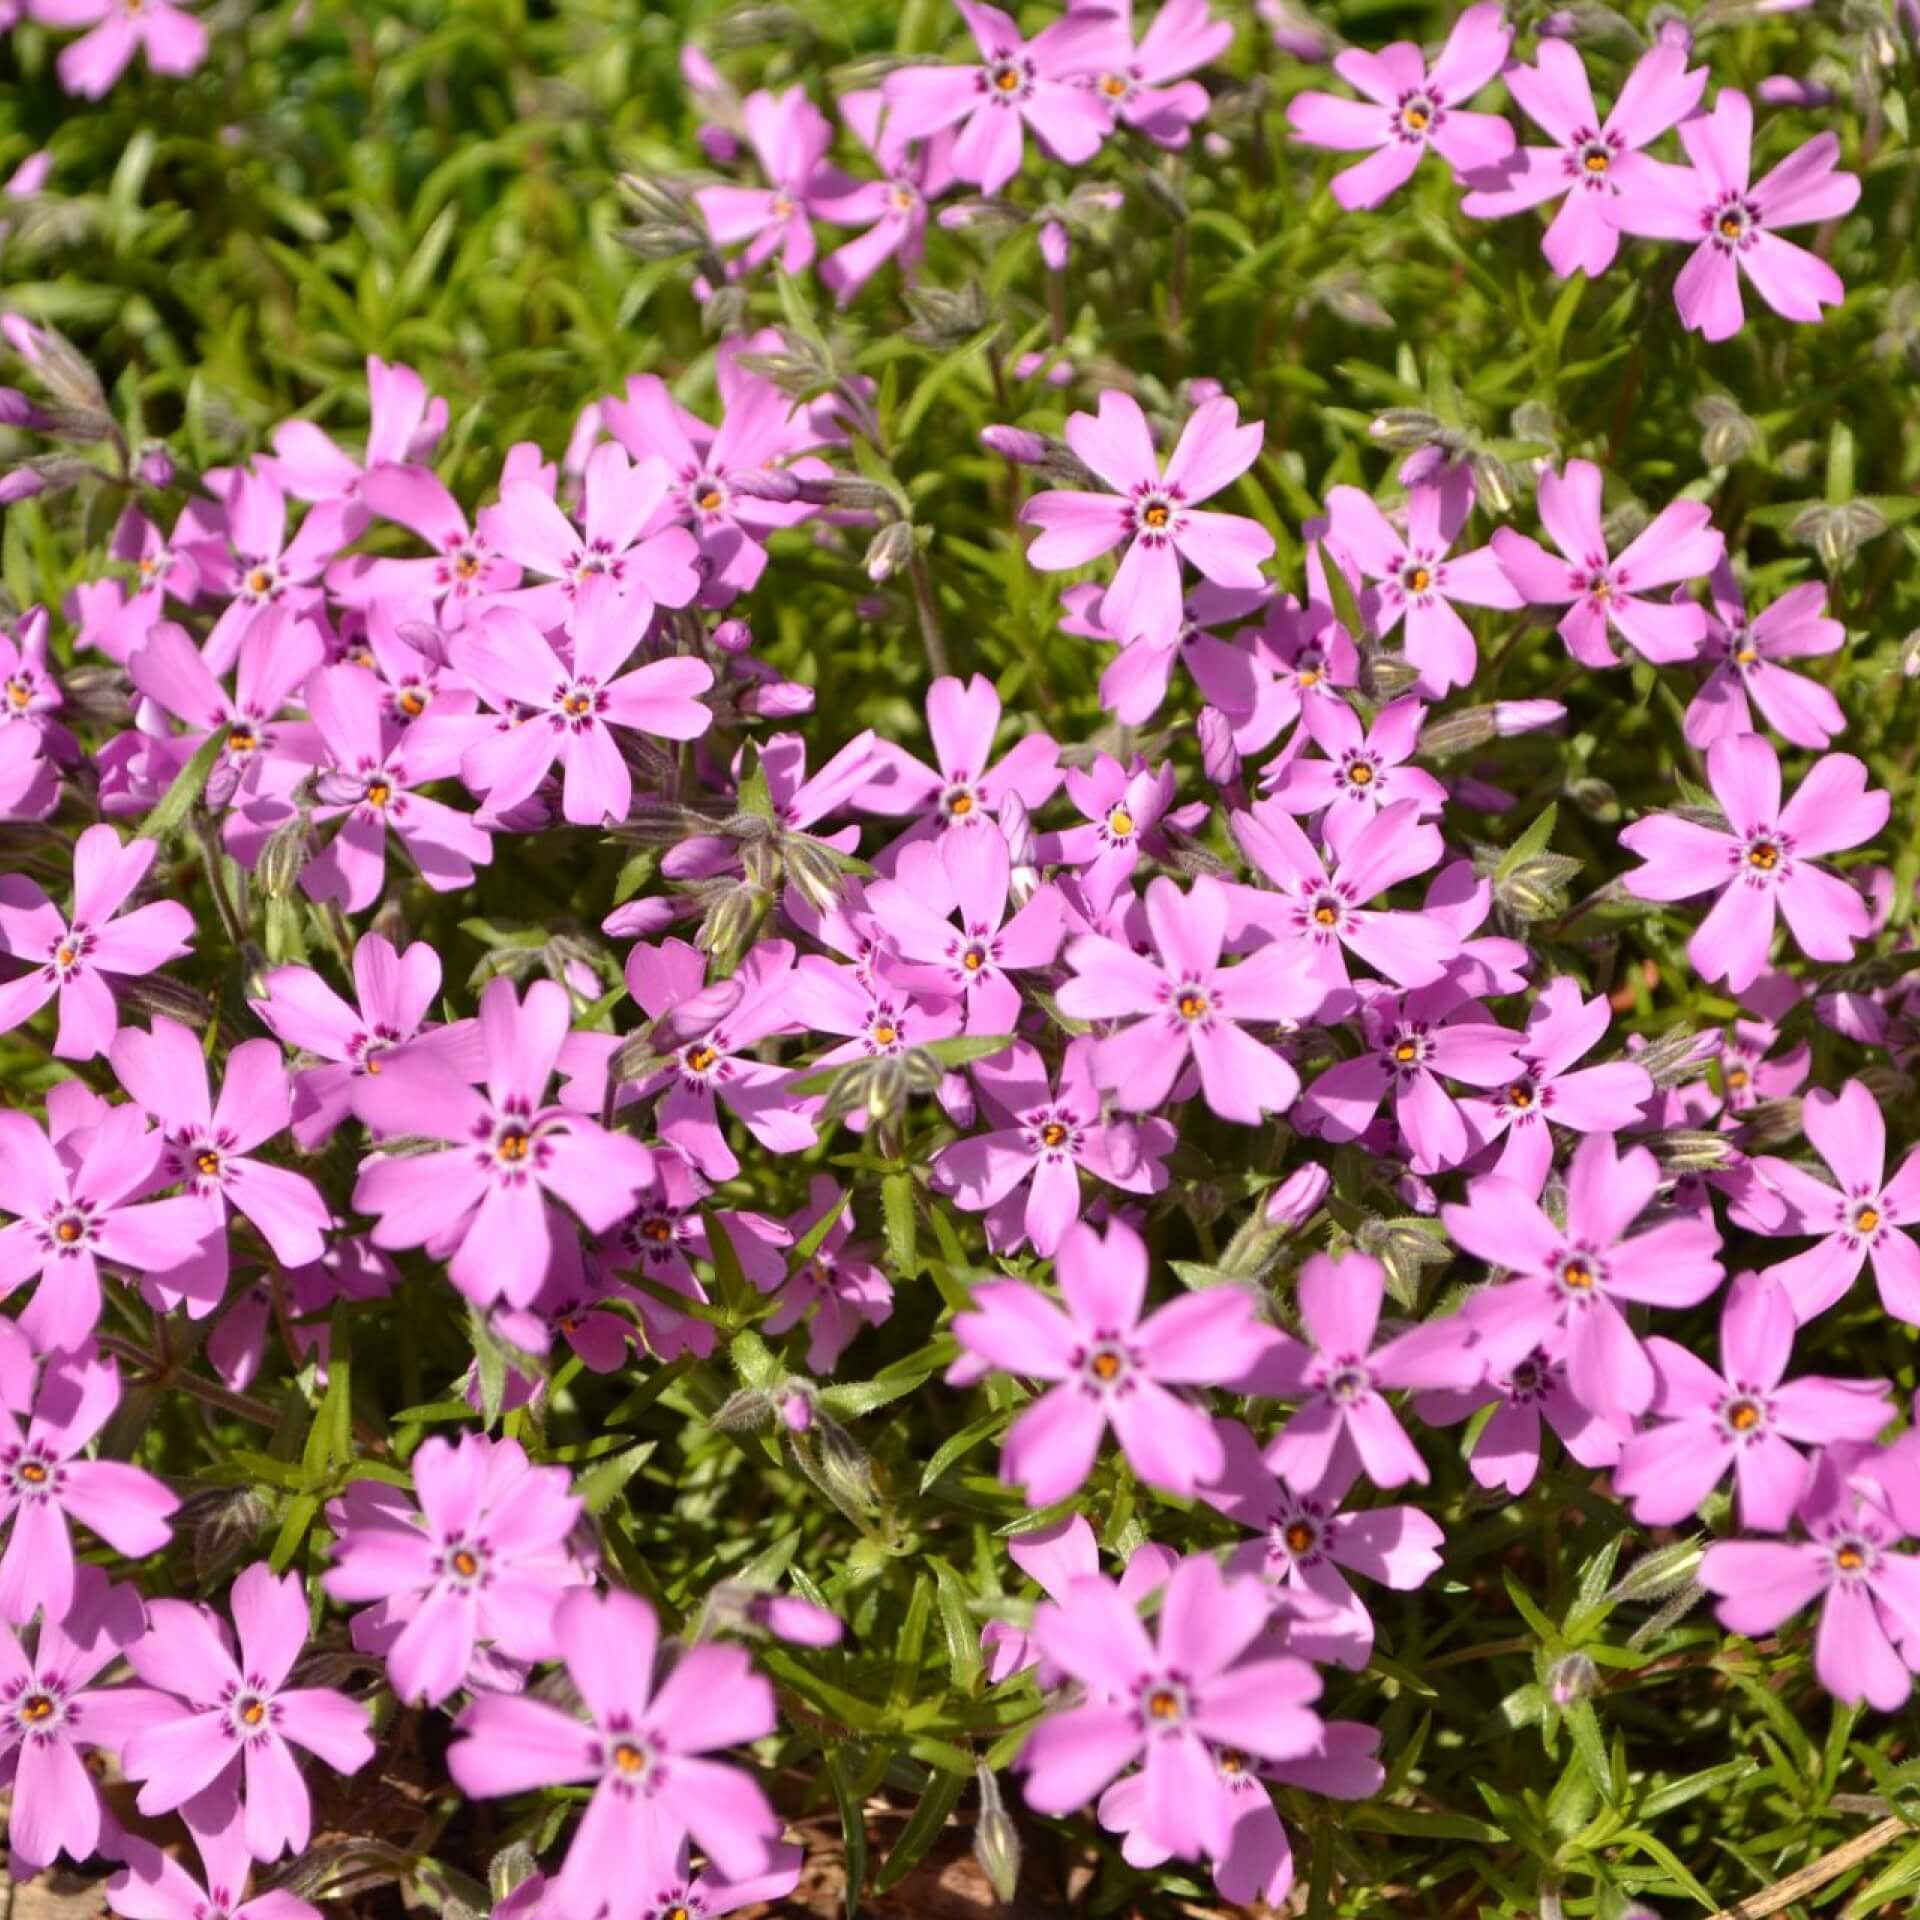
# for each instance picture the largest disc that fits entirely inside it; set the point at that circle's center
(1678, 545)
(485, 1199)
(1410, 107)
(370, 773)
(154, 1886)
(229, 1720)
(76, 1201)
(1736, 224)
(46, 1480)
(571, 711)
(608, 574)
(642, 1750)
(465, 571)
(1794, 627)
(267, 569)
(405, 427)
(1700, 1423)
(74, 955)
(1506, 1452)
(1025, 1172)
(839, 1283)
(1305, 1540)
(395, 992)
(1154, 512)
(1024, 83)
(1113, 1367)
(1583, 163)
(210, 1146)
(1871, 1593)
(1193, 1007)
(1206, 1678)
(1578, 1276)
(790, 137)
(712, 469)
(173, 41)
(1410, 1044)
(1863, 1216)
(484, 1559)
(1549, 1088)
(893, 209)
(968, 874)
(1419, 576)
(1322, 916)
(967, 786)
(1340, 1378)
(1361, 771)
(48, 1713)
(1765, 864)
(1148, 90)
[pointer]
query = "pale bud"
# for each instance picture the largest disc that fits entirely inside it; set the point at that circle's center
(890, 550)
(1684, 1150)
(1512, 717)
(996, 1840)
(1015, 443)
(1572, 1677)
(1460, 732)
(1494, 481)
(1298, 1197)
(1405, 427)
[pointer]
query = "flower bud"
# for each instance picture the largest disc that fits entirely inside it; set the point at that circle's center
(510, 1867)
(766, 483)
(1298, 1197)
(1054, 246)
(943, 317)
(733, 636)
(796, 1412)
(891, 549)
(1770, 1123)
(724, 312)
(743, 1411)
(1219, 757)
(1536, 888)
(1385, 676)
(1657, 1574)
(278, 869)
(16, 410)
(1726, 433)
(996, 1840)
(1684, 1150)
(22, 483)
(1572, 1677)
(1494, 481)
(1676, 1054)
(1347, 297)
(1595, 798)
(1016, 443)
(1460, 732)
(155, 467)
(1512, 717)
(1406, 427)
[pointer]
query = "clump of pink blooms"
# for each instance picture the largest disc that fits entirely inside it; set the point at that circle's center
(396, 687)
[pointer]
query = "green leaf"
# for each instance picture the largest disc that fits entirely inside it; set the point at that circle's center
(1346, 609)
(1548, 1633)
(957, 1445)
(936, 381)
(853, 1827)
(1534, 840)
(170, 815)
(936, 1806)
(293, 1529)
(963, 1049)
(815, 1236)
(961, 1629)
(606, 1478)
(900, 1208)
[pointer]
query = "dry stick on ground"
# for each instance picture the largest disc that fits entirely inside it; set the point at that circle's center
(1830, 1866)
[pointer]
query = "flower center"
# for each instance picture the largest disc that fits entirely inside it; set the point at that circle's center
(960, 803)
(1163, 1704)
(884, 1033)
(1407, 1052)
(1155, 515)
(974, 958)
(659, 1230)
(1577, 1275)
(1416, 114)
(1348, 1383)
(1299, 1536)
(1106, 1364)
(19, 692)
(1416, 578)
(1866, 1218)
(1326, 914)
(259, 580)
(378, 793)
(1007, 77)
(242, 739)
(1192, 1005)
(1743, 1415)
(1852, 1556)
(466, 565)
(207, 1163)
(513, 1145)
(1595, 158)
(1114, 85)
(1734, 222)
(37, 1708)
(1738, 1077)
(1360, 774)
(630, 1759)
(1119, 823)
(700, 1056)
(1763, 855)
(1053, 1134)
(1520, 1095)
(69, 1229)
(33, 1473)
(411, 701)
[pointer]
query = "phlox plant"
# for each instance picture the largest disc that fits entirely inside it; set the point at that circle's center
(958, 956)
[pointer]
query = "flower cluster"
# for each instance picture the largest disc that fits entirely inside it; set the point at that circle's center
(1174, 1065)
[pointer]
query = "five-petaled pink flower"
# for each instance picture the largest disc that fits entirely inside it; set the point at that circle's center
(1765, 862)
(74, 955)
(1023, 83)
(1410, 107)
(643, 1750)
(1111, 1366)
(1193, 1007)
(1583, 164)
(1600, 591)
(1155, 512)
(1736, 224)
(1744, 654)
(172, 39)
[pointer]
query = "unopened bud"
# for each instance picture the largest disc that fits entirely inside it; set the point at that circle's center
(1572, 1677)
(1385, 676)
(1055, 248)
(1770, 1123)
(510, 1868)
(1298, 1197)
(724, 312)
(1726, 433)
(1348, 298)
(22, 483)
(278, 869)
(1676, 1055)
(796, 1412)
(733, 636)
(1536, 888)
(944, 317)
(16, 410)
(812, 872)
(996, 1840)
(1655, 1575)
(1219, 756)
(1016, 443)
(152, 993)
(1494, 481)
(1595, 798)
(68, 373)
(743, 1412)
(766, 483)
(1016, 826)
(1684, 1150)
(891, 549)
(1459, 732)
(1403, 427)
(1513, 717)
(155, 467)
